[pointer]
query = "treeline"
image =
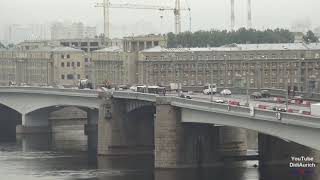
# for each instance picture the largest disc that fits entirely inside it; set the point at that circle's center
(215, 38)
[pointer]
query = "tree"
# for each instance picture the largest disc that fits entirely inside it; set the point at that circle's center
(2, 46)
(11, 45)
(215, 38)
(310, 37)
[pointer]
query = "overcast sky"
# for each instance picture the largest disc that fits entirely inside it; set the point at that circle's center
(206, 14)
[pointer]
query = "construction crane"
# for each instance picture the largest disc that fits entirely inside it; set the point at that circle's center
(249, 15)
(176, 11)
(232, 15)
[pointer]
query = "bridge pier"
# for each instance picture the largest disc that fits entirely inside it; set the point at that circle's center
(35, 122)
(124, 133)
(183, 145)
(232, 141)
(275, 158)
(91, 130)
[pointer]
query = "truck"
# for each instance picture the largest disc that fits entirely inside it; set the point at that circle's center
(85, 84)
(315, 109)
(175, 86)
(210, 89)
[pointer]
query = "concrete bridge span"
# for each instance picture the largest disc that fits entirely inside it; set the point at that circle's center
(178, 132)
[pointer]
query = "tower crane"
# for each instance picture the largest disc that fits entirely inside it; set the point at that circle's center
(176, 11)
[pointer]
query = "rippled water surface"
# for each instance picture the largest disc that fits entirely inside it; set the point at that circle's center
(20, 161)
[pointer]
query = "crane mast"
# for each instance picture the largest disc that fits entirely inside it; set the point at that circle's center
(106, 19)
(177, 17)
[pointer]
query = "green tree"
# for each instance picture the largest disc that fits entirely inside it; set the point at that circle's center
(1, 45)
(215, 38)
(310, 37)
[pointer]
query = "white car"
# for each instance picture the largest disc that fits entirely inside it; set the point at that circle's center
(133, 88)
(208, 91)
(220, 101)
(225, 92)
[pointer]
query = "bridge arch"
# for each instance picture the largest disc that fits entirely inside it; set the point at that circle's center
(298, 134)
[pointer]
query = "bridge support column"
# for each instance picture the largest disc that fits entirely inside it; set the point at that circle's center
(276, 155)
(91, 130)
(35, 122)
(232, 141)
(183, 145)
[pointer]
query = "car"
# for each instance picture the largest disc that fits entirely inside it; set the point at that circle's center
(185, 96)
(256, 95)
(220, 101)
(225, 92)
(265, 94)
(281, 109)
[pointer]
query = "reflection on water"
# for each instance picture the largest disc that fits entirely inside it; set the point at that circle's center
(32, 158)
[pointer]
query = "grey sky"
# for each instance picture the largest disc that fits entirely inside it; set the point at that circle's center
(206, 14)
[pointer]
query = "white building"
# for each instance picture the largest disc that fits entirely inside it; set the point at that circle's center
(71, 31)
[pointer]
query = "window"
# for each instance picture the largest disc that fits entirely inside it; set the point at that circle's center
(84, 44)
(62, 56)
(94, 43)
(62, 64)
(85, 59)
(72, 64)
(78, 64)
(68, 56)
(62, 76)
(78, 76)
(68, 64)
(70, 76)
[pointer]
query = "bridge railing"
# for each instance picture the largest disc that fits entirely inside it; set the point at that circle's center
(269, 115)
(43, 90)
(135, 95)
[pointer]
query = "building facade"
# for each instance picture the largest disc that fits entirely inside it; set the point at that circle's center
(71, 31)
(119, 65)
(295, 65)
(42, 67)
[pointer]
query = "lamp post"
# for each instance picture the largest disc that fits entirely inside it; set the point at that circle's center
(287, 89)
(300, 74)
(225, 71)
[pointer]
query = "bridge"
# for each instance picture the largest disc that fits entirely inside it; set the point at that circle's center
(177, 131)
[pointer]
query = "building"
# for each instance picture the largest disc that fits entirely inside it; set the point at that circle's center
(41, 67)
(118, 65)
(85, 44)
(71, 31)
(295, 65)
(138, 43)
(36, 44)
(16, 33)
(68, 66)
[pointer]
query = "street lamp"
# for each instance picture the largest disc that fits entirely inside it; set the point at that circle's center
(300, 74)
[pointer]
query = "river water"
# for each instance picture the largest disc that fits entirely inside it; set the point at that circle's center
(33, 160)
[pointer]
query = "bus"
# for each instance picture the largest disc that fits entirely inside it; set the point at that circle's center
(152, 89)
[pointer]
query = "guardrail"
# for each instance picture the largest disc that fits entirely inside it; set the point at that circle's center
(51, 91)
(135, 95)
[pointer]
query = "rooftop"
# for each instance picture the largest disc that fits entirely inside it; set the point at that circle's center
(110, 49)
(242, 47)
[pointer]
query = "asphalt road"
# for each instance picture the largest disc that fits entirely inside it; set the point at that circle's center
(242, 99)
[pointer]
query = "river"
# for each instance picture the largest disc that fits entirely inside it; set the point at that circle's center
(35, 158)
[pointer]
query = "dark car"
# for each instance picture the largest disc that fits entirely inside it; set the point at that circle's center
(281, 109)
(265, 93)
(185, 96)
(256, 95)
